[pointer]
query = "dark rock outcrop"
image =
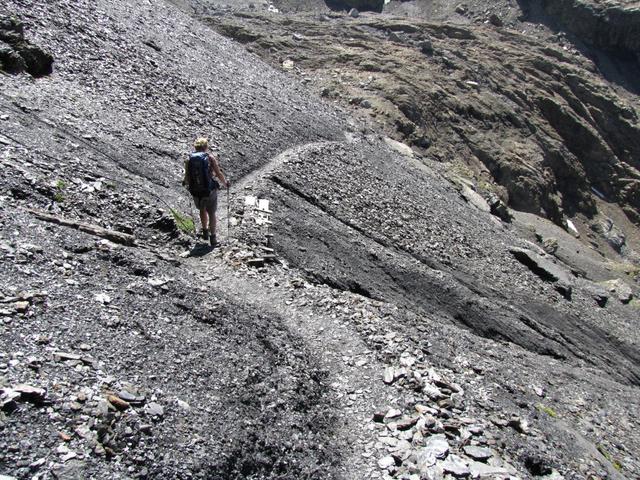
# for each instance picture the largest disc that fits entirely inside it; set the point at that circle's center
(613, 26)
(611, 233)
(18, 55)
(498, 208)
(361, 5)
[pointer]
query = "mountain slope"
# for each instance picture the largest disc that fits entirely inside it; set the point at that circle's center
(398, 316)
(534, 123)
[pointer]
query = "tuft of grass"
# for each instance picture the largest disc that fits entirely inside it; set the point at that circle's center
(616, 463)
(461, 170)
(184, 223)
(60, 185)
(548, 410)
(484, 186)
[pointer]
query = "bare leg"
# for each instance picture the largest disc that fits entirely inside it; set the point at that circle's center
(204, 218)
(212, 224)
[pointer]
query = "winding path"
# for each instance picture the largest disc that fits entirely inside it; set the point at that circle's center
(355, 375)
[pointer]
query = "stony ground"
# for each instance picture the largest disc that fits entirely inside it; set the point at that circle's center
(389, 331)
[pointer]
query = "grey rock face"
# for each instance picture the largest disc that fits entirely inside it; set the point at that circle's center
(270, 371)
(613, 25)
(529, 321)
(614, 236)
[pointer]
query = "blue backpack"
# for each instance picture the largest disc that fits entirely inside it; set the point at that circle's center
(200, 182)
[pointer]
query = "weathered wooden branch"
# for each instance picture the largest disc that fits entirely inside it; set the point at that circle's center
(22, 297)
(116, 237)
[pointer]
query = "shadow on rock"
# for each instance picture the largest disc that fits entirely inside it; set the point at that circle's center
(200, 250)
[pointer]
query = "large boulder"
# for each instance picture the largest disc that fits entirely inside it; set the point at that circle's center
(611, 233)
(18, 55)
(620, 289)
(546, 269)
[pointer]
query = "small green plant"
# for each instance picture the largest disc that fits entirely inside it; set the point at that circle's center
(548, 410)
(60, 185)
(184, 223)
(616, 464)
(461, 170)
(484, 186)
(626, 267)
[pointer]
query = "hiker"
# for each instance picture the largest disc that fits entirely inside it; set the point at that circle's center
(200, 172)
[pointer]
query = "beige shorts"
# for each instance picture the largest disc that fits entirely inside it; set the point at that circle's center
(209, 203)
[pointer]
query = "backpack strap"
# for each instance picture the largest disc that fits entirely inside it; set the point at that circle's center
(205, 171)
(213, 182)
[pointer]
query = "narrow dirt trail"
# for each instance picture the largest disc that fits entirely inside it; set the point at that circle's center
(355, 374)
(273, 164)
(242, 186)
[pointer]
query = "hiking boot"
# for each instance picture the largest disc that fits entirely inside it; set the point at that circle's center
(212, 240)
(205, 234)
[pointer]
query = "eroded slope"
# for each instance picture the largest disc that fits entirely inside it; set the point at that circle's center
(218, 386)
(534, 123)
(101, 141)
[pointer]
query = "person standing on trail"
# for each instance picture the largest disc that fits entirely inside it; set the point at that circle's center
(200, 172)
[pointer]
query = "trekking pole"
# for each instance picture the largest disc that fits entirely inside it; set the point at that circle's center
(193, 220)
(228, 217)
